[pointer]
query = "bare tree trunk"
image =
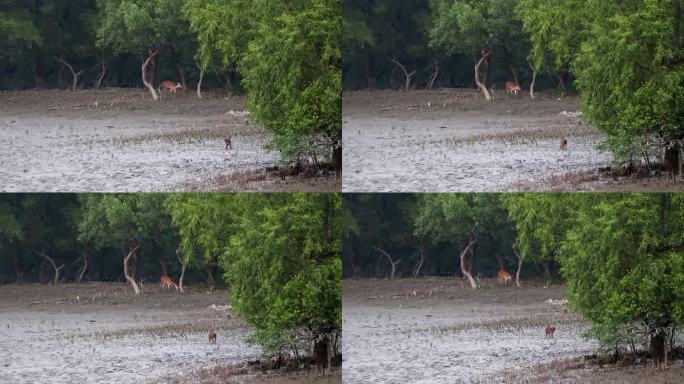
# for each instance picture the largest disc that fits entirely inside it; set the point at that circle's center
(180, 281)
(421, 262)
(132, 250)
(102, 74)
(534, 77)
(486, 53)
(392, 262)
(84, 268)
(153, 53)
(517, 273)
(465, 272)
(408, 76)
(435, 73)
(210, 275)
(181, 74)
(54, 266)
(547, 270)
(73, 73)
(199, 83)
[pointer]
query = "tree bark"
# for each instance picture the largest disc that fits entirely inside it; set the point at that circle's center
(465, 272)
(73, 73)
(102, 74)
(150, 85)
(408, 76)
(486, 53)
(534, 77)
(517, 273)
(435, 73)
(54, 266)
(392, 262)
(421, 261)
(133, 249)
(180, 281)
(84, 268)
(199, 83)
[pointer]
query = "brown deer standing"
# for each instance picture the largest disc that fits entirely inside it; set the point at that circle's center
(563, 143)
(504, 277)
(229, 142)
(212, 337)
(166, 281)
(512, 88)
(549, 330)
(170, 85)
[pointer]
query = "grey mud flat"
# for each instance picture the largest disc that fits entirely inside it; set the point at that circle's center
(451, 140)
(440, 331)
(99, 333)
(120, 140)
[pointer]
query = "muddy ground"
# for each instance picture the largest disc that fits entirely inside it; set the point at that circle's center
(451, 140)
(121, 140)
(102, 333)
(439, 330)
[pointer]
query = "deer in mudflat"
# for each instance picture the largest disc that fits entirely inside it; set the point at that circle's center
(170, 86)
(512, 88)
(504, 276)
(212, 337)
(167, 282)
(563, 143)
(549, 330)
(228, 142)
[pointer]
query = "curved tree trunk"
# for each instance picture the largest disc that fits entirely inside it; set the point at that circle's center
(486, 53)
(465, 272)
(534, 77)
(201, 78)
(391, 261)
(180, 280)
(435, 74)
(133, 250)
(408, 77)
(84, 268)
(517, 273)
(54, 266)
(74, 74)
(421, 261)
(102, 74)
(153, 53)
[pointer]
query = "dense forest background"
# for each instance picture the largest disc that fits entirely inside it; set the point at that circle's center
(279, 254)
(621, 255)
(624, 58)
(285, 56)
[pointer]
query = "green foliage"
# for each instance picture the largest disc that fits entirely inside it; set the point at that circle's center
(282, 243)
(627, 57)
(119, 219)
(17, 31)
(621, 255)
(631, 75)
(292, 73)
